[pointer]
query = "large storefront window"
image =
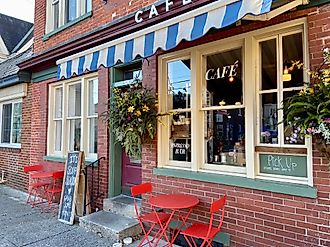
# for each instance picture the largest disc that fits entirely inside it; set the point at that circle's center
(73, 125)
(227, 98)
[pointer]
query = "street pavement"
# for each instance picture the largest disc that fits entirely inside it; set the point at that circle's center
(21, 225)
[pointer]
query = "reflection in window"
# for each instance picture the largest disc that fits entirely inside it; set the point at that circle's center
(179, 77)
(6, 123)
(17, 123)
(225, 136)
(268, 64)
(224, 79)
(269, 130)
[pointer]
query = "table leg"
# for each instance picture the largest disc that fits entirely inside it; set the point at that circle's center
(184, 220)
(163, 228)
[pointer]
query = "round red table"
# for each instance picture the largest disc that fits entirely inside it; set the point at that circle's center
(174, 201)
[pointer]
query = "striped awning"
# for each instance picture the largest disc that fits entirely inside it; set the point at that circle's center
(165, 35)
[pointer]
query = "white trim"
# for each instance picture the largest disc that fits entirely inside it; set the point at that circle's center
(3, 48)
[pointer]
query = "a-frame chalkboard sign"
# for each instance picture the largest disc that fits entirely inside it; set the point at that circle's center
(70, 187)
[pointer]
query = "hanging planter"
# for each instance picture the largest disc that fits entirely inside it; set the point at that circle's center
(133, 116)
(308, 113)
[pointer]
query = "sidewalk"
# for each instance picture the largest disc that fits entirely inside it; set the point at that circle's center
(21, 225)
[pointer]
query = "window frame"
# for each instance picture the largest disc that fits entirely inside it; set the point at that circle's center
(65, 141)
(250, 56)
(12, 102)
(63, 18)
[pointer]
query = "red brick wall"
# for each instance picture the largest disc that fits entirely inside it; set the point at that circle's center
(102, 14)
(256, 217)
(12, 160)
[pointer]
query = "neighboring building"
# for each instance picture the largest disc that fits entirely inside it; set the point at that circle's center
(14, 34)
(221, 64)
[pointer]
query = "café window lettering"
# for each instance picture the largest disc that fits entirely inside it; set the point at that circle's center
(226, 123)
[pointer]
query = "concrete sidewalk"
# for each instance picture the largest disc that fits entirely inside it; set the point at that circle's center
(21, 225)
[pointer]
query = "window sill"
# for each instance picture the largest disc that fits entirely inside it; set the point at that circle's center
(65, 26)
(63, 159)
(15, 146)
(258, 184)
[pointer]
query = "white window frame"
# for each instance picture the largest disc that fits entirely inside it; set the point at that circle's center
(84, 146)
(250, 56)
(62, 19)
(10, 144)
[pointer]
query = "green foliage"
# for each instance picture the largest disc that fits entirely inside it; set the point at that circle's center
(309, 111)
(132, 116)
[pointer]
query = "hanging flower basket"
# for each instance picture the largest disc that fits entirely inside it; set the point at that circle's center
(133, 116)
(323, 147)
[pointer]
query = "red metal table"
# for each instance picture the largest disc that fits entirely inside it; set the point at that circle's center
(175, 203)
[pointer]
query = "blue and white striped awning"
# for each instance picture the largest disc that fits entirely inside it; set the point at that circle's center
(166, 35)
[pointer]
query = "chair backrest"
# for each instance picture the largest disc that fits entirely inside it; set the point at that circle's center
(141, 189)
(215, 207)
(33, 168)
(58, 174)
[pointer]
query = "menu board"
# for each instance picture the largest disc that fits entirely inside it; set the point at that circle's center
(287, 165)
(70, 187)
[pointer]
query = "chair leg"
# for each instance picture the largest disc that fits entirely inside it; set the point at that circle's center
(146, 235)
(187, 239)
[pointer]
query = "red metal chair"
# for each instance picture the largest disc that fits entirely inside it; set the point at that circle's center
(55, 187)
(206, 232)
(153, 218)
(36, 187)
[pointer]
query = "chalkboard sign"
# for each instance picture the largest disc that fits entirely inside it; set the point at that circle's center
(70, 187)
(287, 165)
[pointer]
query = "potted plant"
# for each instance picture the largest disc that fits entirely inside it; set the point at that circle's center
(308, 113)
(132, 116)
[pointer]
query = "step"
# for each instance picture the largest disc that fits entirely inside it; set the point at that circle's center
(110, 225)
(122, 204)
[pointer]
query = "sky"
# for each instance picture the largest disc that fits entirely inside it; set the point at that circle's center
(21, 9)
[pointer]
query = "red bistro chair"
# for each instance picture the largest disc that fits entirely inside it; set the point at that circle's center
(146, 188)
(35, 185)
(55, 187)
(206, 232)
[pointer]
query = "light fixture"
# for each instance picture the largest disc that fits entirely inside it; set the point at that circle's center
(286, 75)
(231, 79)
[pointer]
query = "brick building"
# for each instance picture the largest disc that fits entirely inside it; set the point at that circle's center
(223, 66)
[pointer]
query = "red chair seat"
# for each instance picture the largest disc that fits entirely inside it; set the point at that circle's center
(200, 231)
(152, 218)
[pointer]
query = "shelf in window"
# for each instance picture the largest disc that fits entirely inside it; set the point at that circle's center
(285, 150)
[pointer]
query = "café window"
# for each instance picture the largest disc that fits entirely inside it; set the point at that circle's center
(73, 117)
(223, 109)
(178, 98)
(226, 100)
(278, 80)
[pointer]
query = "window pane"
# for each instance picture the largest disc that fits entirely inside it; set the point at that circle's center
(93, 97)
(75, 135)
(56, 13)
(268, 65)
(88, 6)
(269, 131)
(58, 102)
(225, 137)
(180, 140)
(75, 100)
(71, 10)
(6, 123)
(292, 51)
(58, 135)
(17, 123)
(93, 135)
(179, 75)
(291, 134)
(223, 77)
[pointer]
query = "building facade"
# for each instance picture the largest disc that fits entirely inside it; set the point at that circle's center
(223, 67)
